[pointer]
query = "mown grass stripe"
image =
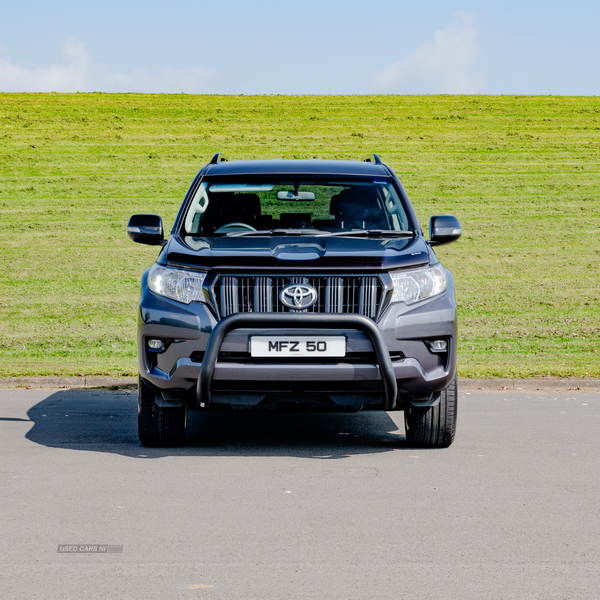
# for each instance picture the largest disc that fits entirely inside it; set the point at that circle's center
(520, 172)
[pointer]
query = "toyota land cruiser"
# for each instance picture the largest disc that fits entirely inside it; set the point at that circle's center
(302, 285)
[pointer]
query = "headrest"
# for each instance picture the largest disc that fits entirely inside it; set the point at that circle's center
(353, 205)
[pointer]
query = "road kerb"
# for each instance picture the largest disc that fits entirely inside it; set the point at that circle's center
(68, 382)
(464, 385)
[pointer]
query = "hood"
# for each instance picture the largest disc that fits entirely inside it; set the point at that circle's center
(302, 252)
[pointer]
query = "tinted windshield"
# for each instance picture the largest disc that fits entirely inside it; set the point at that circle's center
(223, 206)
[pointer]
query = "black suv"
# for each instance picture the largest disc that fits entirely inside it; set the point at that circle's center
(298, 285)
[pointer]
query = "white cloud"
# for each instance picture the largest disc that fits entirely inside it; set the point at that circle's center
(79, 73)
(442, 65)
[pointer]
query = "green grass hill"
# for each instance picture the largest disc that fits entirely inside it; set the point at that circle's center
(522, 173)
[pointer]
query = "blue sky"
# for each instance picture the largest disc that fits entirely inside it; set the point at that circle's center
(308, 47)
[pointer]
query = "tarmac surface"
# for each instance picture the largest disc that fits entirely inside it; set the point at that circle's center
(281, 505)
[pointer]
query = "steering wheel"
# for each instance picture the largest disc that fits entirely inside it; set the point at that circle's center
(233, 227)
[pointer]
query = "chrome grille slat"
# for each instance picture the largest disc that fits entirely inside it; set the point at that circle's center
(336, 294)
(229, 296)
(368, 297)
(263, 294)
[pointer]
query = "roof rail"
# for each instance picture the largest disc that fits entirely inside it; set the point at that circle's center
(216, 159)
(374, 159)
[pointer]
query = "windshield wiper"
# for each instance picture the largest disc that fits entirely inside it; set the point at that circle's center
(274, 232)
(368, 233)
(321, 233)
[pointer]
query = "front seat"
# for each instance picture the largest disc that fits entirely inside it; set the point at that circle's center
(243, 208)
(355, 208)
(231, 208)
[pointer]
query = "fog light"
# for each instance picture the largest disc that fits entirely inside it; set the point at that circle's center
(438, 346)
(157, 345)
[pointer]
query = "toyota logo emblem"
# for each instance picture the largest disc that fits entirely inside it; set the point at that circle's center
(298, 296)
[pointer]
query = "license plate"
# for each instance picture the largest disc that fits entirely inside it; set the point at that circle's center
(297, 345)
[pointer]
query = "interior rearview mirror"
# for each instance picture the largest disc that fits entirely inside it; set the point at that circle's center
(284, 195)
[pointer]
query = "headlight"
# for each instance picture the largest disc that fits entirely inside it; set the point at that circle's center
(412, 286)
(183, 286)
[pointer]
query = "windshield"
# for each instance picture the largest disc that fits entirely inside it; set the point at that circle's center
(234, 206)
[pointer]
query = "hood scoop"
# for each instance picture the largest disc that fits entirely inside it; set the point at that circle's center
(298, 251)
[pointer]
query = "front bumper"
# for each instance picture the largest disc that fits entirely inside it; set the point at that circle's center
(189, 368)
(296, 321)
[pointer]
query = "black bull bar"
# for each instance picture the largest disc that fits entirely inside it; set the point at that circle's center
(298, 321)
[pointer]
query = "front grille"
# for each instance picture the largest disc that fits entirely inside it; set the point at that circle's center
(360, 295)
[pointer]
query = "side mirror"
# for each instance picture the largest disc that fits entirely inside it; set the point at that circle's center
(146, 229)
(443, 229)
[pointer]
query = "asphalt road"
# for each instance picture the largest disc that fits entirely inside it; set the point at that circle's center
(265, 506)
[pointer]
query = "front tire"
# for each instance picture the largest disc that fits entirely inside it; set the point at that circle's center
(434, 426)
(157, 425)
